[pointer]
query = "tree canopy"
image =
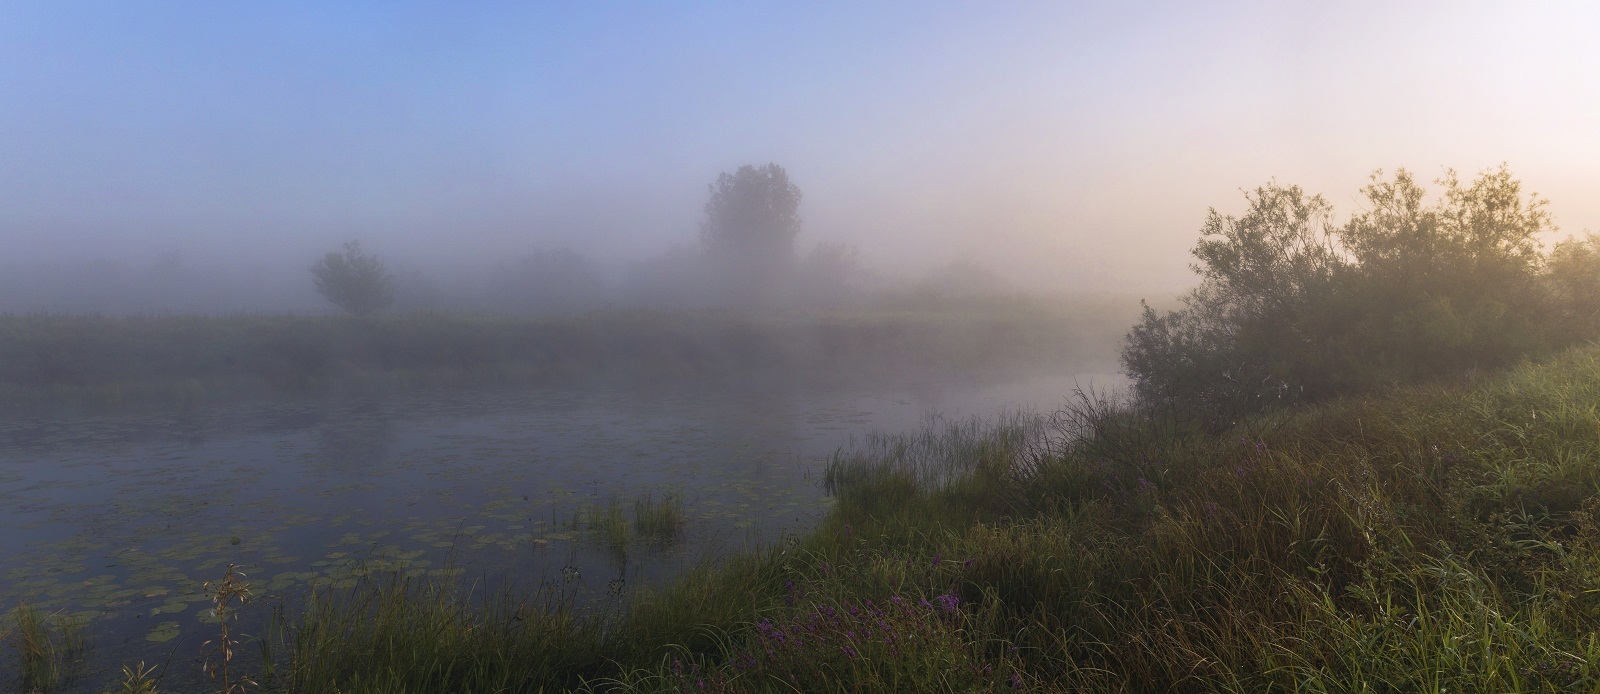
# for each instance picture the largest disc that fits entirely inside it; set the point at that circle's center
(752, 218)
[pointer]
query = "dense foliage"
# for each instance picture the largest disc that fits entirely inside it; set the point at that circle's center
(1294, 306)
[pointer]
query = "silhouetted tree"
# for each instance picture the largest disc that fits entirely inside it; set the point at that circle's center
(751, 221)
(354, 281)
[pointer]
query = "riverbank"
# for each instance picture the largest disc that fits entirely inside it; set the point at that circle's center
(99, 360)
(1432, 538)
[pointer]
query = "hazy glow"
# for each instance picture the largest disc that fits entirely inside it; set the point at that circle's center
(1074, 147)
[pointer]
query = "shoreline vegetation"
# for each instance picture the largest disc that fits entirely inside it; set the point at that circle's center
(142, 360)
(1433, 537)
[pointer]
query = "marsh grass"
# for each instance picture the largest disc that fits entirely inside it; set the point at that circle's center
(659, 521)
(50, 649)
(608, 526)
(394, 634)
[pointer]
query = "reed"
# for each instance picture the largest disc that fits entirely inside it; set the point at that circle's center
(608, 526)
(50, 649)
(393, 634)
(659, 521)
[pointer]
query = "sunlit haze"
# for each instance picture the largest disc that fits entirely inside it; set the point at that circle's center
(1068, 147)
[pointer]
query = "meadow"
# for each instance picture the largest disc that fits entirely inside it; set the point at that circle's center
(1428, 538)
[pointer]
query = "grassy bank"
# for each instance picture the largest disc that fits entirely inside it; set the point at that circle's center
(1429, 539)
(98, 359)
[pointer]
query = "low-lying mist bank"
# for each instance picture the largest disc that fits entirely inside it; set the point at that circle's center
(106, 360)
(1430, 538)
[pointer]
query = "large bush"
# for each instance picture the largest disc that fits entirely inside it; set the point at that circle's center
(1294, 306)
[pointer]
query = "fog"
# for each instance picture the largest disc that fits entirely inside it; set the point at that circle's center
(183, 157)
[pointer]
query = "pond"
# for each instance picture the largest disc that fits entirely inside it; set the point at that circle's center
(119, 518)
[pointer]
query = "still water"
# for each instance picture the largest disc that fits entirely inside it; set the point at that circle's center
(117, 519)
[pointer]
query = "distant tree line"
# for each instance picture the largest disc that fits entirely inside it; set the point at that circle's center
(745, 258)
(1294, 306)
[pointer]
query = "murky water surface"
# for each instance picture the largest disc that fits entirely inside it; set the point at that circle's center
(119, 518)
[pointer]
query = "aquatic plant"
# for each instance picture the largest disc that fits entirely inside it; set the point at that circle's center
(392, 633)
(658, 521)
(138, 679)
(608, 526)
(50, 648)
(231, 590)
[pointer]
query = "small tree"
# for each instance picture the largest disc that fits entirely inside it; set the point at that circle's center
(354, 281)
(752, 219)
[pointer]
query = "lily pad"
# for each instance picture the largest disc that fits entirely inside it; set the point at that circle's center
(163, 632)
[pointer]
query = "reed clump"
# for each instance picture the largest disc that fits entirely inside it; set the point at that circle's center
(397, 634)
(659, 521)
(608, 526)
(49, 649)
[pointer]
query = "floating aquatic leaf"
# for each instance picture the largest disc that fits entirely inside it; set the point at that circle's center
(163, 632)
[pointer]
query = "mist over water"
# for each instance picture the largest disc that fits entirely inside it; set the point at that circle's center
(576, 297)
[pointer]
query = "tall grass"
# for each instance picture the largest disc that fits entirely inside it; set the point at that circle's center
(608, 526)
(50, 649)
(396, 635)
(659, 521)
(1424, 540)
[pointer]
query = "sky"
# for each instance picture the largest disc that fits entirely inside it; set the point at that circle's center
(1070, 146)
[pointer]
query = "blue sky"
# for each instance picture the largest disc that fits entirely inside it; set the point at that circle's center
(1072, 145)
